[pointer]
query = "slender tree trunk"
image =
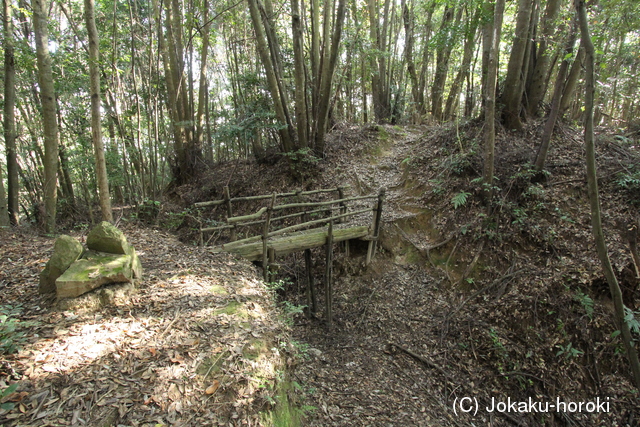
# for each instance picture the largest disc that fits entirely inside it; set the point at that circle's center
(512, 95)
(572, 81)
(13, 186)
(463, 72)
(4, 214)
(379, 63)
(202, 91)
(96, 124)
(490, 98)
(537, 87)
(299, 74)
(328, 69)
(409, 24)
(263, 51)
(50, 122)
(555, 103)
(443, 54)
(592, 186)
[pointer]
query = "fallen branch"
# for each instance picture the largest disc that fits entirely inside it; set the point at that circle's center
(422, 359)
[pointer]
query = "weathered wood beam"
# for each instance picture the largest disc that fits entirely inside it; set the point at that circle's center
(252, 248)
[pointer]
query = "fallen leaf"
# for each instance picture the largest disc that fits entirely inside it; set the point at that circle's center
(213, 387)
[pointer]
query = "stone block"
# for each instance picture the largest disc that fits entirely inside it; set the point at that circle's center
(66, 250)
(105, 237)
(87, 274)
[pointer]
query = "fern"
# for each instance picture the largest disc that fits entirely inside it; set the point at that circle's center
(460, 199)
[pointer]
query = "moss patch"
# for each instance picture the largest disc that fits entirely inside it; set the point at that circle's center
(255, 349)
(234, 308)
(284, 412)
(212, 365)
(218, 290)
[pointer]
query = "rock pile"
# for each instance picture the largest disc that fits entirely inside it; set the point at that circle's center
(73, 271)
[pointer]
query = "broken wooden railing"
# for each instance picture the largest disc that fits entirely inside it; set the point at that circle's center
(280, 229)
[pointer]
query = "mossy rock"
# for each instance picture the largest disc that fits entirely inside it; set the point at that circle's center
(105, 237)
(85, 275)
(66, 250)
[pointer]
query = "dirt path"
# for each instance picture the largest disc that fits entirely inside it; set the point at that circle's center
(409, 341)
(357, 373)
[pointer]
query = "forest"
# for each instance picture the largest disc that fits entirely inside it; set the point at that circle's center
(503, 136)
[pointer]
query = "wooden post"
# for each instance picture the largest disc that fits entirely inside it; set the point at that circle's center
(272, 271)
(227, 199)
(343, 210)
(201, 238)
(265, 239)
(312, 300)
(377, 219)
(328, 272)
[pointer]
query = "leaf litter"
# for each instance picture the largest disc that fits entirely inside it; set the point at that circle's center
(171, 354)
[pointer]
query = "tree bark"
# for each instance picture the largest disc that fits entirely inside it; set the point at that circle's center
(512, 95)
(328, 69)
(13, 186)
(380, 91)
(555, 103)
(538, 87)
(490, 98)
(263, 51)
(463, 71)
(96, 124)
(594, 200)
(443, 54)
(572, 81)
(4, 214)
(299, 75)
(50, 121)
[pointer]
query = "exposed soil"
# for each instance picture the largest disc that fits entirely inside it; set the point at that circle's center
(458, 303)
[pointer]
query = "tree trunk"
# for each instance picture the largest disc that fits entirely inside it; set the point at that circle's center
(555, 103)
(202, 91)
(96, 124)
(379, 63)
(490, 98)
(4, 214)
(512, 94)
(537, 87)
(13, 186)
(50, 121)
(594, 200)
(463, 72)
(263, 51)
(299, 75)
(572, 81)
(328, 68)
(408, 17)
(443, 54)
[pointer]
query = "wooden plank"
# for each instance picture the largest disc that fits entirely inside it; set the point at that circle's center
(253, 251)
(316, 222)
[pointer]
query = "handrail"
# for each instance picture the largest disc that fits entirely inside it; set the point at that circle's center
(265, 197)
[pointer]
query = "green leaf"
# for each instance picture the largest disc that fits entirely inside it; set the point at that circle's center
(460, 199)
